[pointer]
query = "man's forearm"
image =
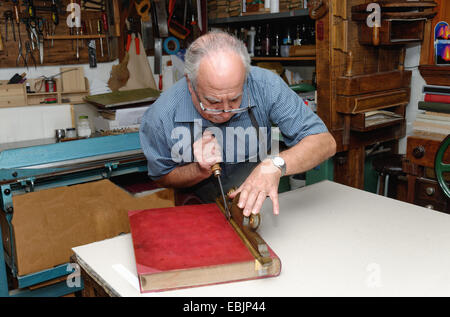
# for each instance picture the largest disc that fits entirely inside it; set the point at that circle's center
(184, 176)
(309, 153)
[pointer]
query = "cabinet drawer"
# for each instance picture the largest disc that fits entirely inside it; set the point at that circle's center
(374, 101)
(429, 190)
(432, 205)
(422, 151)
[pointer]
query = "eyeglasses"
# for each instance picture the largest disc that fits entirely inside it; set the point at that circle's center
(238, 110)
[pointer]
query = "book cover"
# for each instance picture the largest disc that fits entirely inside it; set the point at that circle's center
(188, 246)
(438, 90)
(434, 117)
(434, 106)
(437, 98)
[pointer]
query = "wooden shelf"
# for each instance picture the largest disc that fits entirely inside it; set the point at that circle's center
(42, 93)
(435, 74)
(74, 37)
(260, 17)
(74, 97)
(285, 59)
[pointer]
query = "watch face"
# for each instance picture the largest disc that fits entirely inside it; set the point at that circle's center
(278, 161)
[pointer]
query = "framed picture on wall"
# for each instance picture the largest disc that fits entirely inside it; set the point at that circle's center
(442, 43)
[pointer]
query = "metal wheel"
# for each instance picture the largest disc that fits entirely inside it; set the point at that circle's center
(440, 167)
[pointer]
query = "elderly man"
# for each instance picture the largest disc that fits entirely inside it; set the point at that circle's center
(223, 112)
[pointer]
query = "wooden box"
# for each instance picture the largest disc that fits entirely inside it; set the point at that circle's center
(376, 82)
(72, 79)
(421, 150)
(302, 50)
(254, 7)
(371, 120)
(372, 101)
(12, 95)
(393, 32)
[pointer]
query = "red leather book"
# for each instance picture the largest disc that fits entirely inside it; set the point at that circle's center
(189, 246)
(437, 98)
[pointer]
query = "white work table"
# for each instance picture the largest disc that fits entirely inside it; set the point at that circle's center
(332, 240)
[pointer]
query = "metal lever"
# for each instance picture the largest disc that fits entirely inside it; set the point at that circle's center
(217, 172)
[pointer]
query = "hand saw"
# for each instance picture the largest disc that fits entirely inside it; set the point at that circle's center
(246, 228)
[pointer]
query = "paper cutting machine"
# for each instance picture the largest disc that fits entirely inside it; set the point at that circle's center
(46, 164)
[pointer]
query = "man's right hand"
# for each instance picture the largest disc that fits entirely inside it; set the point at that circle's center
(207, 152)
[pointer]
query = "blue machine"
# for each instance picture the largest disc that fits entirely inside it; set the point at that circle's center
(48, 165)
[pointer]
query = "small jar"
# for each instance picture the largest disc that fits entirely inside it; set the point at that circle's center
(83, 127)
(71, 133)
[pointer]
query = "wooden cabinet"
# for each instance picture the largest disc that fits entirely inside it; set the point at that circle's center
(423, 189)
(427, 193)
(354, 78)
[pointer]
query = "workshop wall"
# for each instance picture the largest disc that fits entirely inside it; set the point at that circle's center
(101, 74)
(412, 61)
(97, 77)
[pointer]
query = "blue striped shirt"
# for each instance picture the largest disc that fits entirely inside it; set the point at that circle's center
(165, 128)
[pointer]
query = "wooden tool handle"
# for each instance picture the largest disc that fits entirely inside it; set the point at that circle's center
(1, 42)
(376, 36)
(349, 71)
(401, 62)
(216, 169)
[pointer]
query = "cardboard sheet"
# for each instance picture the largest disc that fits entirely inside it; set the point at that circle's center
(48, 223)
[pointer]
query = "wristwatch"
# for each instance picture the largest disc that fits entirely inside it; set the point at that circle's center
(280, 163)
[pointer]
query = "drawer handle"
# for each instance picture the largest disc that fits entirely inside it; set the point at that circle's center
(419, 152)
(430, 191)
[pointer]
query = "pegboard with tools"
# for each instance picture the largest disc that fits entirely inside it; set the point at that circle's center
(57, 32)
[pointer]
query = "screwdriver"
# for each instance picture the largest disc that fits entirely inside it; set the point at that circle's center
(217, 172)
(106, 30)
(99, 31)
(1, 42)
(31, 9)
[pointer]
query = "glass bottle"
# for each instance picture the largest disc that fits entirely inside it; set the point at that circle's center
(298, 38)
(266, 42)
(251, 41)
(276, 44)
(305, 35)
(83, 127)
(313, 33)
(258, 42)
(287, 40)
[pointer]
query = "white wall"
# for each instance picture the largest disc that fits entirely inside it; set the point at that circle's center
(412, 62)
(101, 73)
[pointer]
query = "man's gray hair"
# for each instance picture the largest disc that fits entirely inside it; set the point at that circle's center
(213, 42)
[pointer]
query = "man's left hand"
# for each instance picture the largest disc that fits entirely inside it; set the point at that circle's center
(262, 182)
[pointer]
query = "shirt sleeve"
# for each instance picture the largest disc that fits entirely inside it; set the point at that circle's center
(155, 146)
(289, 112)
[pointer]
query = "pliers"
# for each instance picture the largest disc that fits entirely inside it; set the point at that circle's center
(21, 55)
(29, 53)
(131, 26)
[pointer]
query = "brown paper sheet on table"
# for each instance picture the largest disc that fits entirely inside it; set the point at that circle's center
(48, 223)
(141, 74)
